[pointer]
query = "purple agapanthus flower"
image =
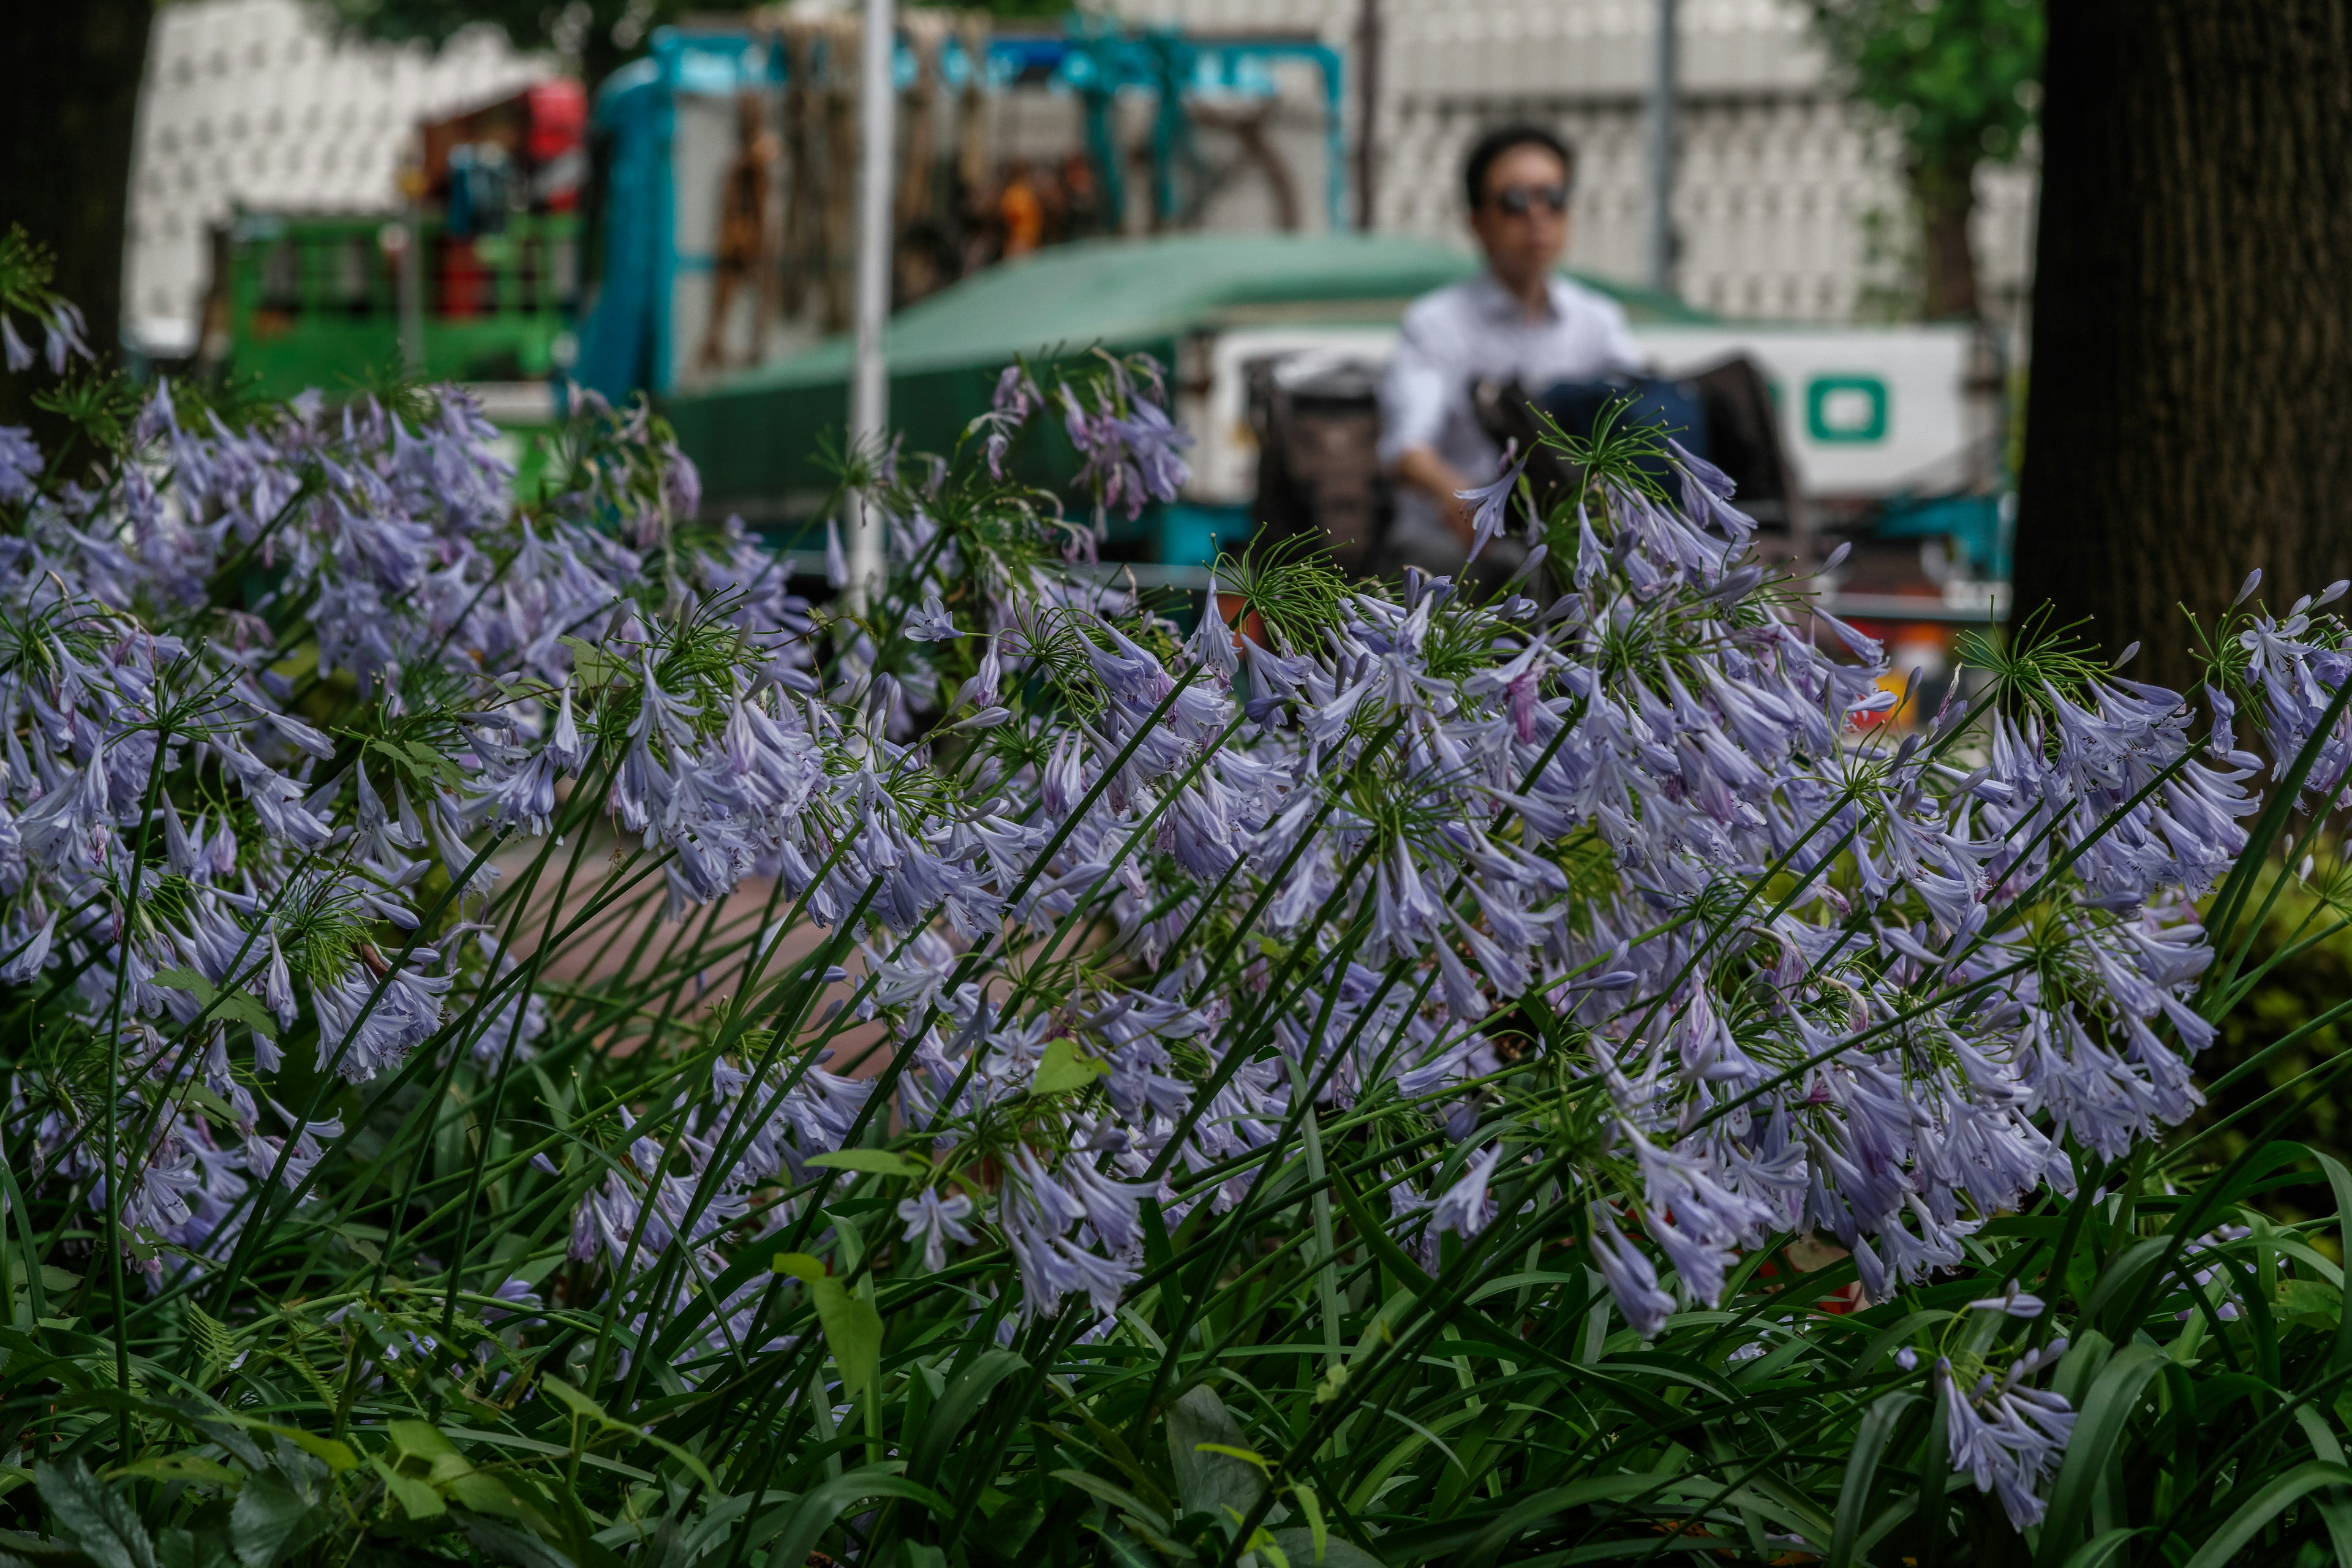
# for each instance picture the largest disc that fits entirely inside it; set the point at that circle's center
(1487, 504)
(20, 463)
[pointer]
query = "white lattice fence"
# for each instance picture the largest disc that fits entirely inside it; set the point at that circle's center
(250, 102)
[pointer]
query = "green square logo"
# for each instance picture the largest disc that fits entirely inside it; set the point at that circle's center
(1848, 410)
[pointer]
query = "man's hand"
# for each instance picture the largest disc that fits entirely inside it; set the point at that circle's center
(1432, 475)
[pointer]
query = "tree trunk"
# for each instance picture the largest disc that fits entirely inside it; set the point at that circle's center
(1946, 199)
(65, 141)
(2192, 395)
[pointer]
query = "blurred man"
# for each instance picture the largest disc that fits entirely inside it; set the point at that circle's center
(1517, 320)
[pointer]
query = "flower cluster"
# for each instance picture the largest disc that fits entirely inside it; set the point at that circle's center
(2005, 1434)
(24, 286)
(196, 873)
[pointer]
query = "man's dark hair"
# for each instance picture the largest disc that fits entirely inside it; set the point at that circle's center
(1501, 140)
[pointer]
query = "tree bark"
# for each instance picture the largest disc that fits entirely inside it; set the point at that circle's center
(600, 56)
(65, 142)
(2191, 408)
(1946, 199)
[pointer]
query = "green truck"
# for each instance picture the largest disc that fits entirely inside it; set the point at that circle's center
(315, 301)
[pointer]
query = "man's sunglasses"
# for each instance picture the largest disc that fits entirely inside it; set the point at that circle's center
(1518, 201)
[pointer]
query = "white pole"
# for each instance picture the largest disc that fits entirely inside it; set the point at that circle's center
(869, 386)
(1661, 153)
(412, 262)
(412, 286)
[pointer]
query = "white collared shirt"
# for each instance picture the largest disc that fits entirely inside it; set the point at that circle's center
(1475, 330)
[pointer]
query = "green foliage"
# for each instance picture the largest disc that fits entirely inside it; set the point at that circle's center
(98, 403)
(2301, 956)
(26, 270)
(1289, 583)
(1484, 1407)
(1621, 450)
(1959, 81)
(2032, 661)
(1960, 78)
(599, 34)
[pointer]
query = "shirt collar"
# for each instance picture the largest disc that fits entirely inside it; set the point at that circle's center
(1498, 303)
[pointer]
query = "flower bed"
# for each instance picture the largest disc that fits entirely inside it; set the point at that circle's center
(1386, 1078)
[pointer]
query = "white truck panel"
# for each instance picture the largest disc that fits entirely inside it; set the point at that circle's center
(1865, 411)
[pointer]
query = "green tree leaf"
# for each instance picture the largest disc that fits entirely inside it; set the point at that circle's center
(824, 1504)
(1064, 1067)
(853, 1326)
(99, 1520)
(238, 1007)
(1316, 1528)
(873, 1162)
(275, 1517)
(486, 1493)
(2266, 1503)
(1202, 1438)
(581, 1405)
(417, 1500)
(421, 1438)
(507, 1544)
(179, 1467)
(1301, 1546)
(182, 979)
(176, 1547)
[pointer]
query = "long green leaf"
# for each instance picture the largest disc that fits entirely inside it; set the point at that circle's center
(971, 1384)
(1861, 1469)
(817, 1510)
(2098, 1431)
(2267, 1503)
